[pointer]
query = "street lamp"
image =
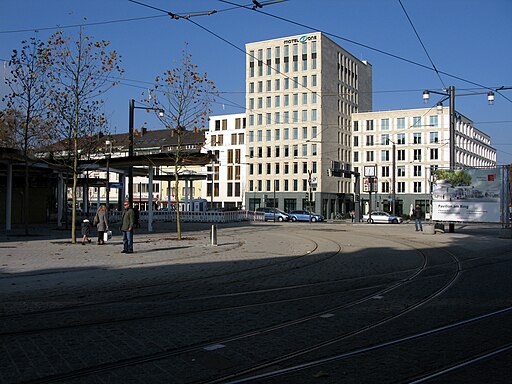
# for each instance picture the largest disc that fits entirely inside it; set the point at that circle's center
(132, 107)
(450, 94)
(108, 155)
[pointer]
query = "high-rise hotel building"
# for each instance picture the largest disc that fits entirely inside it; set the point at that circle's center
(301, 92)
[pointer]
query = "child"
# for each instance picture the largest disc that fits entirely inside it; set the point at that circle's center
(86, 231)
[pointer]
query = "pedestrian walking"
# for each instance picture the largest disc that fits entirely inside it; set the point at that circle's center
(418, 214)
(85, 230)
(352, 215)
(101, 222)
(127, 223)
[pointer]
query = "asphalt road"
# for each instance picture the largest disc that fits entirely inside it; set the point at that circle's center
(271, 303)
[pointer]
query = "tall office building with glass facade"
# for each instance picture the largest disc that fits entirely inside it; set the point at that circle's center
(300, 94)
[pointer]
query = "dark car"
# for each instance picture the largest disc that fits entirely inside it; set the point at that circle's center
(271, 213)
(305, 216)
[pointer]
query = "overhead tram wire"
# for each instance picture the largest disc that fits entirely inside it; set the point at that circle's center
(82, 24)
(367, 47)
(421, 42)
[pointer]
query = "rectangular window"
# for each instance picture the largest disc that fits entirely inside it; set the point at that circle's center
(304, 132)
(268, 134)
(313, 98)
(416, 122)
(417, 186)
(295, 99)
(313, 115)
(400, 154)
(295, 132)
(384, 155)
(277, 134)
(400, 171)
(314, 132)
(385, 171)
(434, 138)
(369, 156)
(417, 138)
(400, 139)
(417, 170)
(400, 186)
(400, 123)
(356, 141)
(356, 157)
(304, 149)
(313, 80)
(295, 150)
(384, 139)
(304, 115)
(287, 133)
(277, 101)
(369, 125)
(260, 135)
(277, 152)
(434, 154)
(434, 121)
(314, 150)
(417, 154)
(385, 187)
(384, 124)
(369, 140)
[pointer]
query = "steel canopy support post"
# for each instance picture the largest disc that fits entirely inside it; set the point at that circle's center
(150, 200)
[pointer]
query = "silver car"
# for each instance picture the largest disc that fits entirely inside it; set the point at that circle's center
(381, 217)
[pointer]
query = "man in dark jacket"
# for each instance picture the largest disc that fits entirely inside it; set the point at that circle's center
(418, 214)
(127, 223)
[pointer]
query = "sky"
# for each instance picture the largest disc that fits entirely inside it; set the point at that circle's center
(467, 41)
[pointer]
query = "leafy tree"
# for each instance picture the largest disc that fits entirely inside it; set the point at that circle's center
(26, 110)
(185, 95)
(456, 178)
(79, 72)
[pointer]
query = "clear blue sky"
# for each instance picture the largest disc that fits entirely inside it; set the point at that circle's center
(468, 40)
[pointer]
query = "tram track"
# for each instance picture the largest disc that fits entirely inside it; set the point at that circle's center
(254, 333)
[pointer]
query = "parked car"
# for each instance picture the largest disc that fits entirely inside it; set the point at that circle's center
(271, 213)
(304, 216)
(382, 217)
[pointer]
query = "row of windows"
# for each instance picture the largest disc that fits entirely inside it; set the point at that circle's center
(283, 65)
(385, 187)
(305, 99)
(236, 139)
(278, 185)
(258, 118)
(305, 133)
(285, 151)
(417, 138)
(398, 123)
(287, 168)
(232, 189)
(400, 155)
(287, 82)
(222, 124)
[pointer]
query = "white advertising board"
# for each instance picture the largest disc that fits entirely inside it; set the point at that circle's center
(469, 195)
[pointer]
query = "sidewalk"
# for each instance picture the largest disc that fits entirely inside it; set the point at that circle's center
(49, 261)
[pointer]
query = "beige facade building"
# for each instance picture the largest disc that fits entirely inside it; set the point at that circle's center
(404, 146)
(301, 92)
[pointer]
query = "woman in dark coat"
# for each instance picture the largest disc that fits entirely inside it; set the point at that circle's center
(101, 222)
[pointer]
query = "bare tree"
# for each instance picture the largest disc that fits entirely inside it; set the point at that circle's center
(26, 111)
(186, 96)
(79, 71)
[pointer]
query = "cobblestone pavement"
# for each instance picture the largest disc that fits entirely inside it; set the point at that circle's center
(90, 314)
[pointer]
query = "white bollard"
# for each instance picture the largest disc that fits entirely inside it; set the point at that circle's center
(213, 234)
